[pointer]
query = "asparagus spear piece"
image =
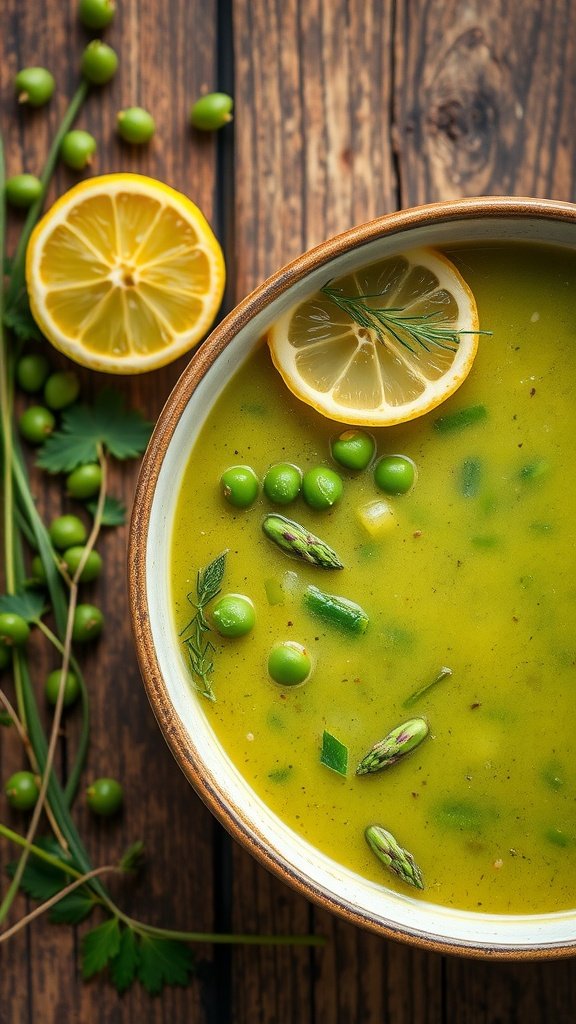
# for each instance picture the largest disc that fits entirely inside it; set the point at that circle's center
(296, 540)
(399, 742)
(393, 856)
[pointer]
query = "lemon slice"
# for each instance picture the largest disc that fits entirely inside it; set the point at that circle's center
(124, 274)
(390, 341)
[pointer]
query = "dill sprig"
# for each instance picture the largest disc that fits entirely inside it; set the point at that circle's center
(410, 331)
(199, 648)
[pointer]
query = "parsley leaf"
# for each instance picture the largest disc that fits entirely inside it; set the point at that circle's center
(123, 966)
(40, 879)
(133, 858)
(114, 513)
(73, 908)
(20, 321)
(29, 604)
(99, 946)
(123, 433)
(164, 962)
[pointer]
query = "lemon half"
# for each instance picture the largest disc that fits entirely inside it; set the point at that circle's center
(124, 274)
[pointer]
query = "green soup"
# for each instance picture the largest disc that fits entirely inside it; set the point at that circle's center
(475, 571)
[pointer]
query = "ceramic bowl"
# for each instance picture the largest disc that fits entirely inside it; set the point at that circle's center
(181, 714)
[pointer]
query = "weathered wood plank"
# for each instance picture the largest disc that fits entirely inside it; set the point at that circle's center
(483, 99)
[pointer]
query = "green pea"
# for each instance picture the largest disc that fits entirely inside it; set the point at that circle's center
(212, 111)
(321, 487)
(353, 449)
(289, 663)
(14, 630)
(61, 390)
(77, 149)
(99, 62)
(67, 531)
(87, 624)
(135, 125)
(233, 615)
(395, 474)
(96, 14)
(52, 688)
(85, 481)
(22, 791)
(104, 796)
(92, 568)
(22, 190)
(282, 483)
(31, 373)
(34, 86)
(36, 424)
(240, 486)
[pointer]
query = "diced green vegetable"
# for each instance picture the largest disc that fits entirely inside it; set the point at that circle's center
(470, 478)
(377, 517)
(280, 774)
(535, 472)
(274, 591)
(334, 754)
(552, 774)
(558, 837)
(338, 611)
(461, 419)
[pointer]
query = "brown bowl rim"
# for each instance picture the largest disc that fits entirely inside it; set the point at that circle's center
(479, 208)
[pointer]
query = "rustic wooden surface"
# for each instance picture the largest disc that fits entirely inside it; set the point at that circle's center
(345, 109)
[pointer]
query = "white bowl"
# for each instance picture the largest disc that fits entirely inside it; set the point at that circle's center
(180, 712)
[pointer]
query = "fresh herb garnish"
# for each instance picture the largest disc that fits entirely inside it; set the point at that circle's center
(334, 754)
(410, 331)
(422, 690)
(84, 429)
(200, 649)
(113, 513)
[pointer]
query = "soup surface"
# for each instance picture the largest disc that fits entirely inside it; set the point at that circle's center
(476, 571)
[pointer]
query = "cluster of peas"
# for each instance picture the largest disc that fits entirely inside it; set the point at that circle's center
(68, 535)
(289, 663)
(135, 125)
(321, 487)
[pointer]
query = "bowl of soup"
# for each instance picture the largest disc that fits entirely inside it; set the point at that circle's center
(358, 639)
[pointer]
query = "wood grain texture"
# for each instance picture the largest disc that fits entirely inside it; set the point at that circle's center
(484, 96)
(344, 109)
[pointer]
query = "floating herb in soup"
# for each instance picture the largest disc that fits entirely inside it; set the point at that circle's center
(418, 723)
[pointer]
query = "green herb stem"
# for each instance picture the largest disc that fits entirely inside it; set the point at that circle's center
(17, 272)
(60, 895)
(221, 938)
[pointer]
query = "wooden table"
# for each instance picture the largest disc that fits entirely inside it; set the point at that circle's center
(344, 109)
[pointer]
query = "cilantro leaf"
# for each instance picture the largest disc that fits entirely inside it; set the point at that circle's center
(29, 604)
(20, 321)
(99, 946)
(123, 966)
(114, 513)
(41, 880)
(73, 908)
(123, 433)
(164, 962)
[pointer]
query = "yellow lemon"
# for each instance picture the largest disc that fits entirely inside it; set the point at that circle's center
(382, 345)
(124, 274)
